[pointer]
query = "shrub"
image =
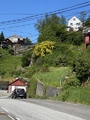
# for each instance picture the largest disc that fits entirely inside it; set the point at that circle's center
(11, 51)
(26, 58)
(32, 88)
(64, 95)
(71, 83)
(44, 68)
(28, 73)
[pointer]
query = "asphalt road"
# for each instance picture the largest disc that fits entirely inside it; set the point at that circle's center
(35, 109)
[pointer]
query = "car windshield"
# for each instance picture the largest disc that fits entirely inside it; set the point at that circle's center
(20, 90)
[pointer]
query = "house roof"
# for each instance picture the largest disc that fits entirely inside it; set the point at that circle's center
(73, 18)
(14, 38)
(18, 82)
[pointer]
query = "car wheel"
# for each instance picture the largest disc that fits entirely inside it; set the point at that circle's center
(14, 97)
(25, 97)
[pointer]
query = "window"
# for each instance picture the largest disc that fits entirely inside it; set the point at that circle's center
(71, 24)
(74, 19)
(77, 23)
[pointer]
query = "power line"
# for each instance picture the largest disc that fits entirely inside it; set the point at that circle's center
(34, 23)
(33, 17)
(81, 5)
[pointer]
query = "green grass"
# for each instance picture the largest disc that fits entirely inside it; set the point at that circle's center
(10, 63)
(80, 95)
(76, 95)
(53, 77)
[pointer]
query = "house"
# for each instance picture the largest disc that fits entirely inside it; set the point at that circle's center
(74, 24)
(17, 83)
(14, 40)
(86, 32)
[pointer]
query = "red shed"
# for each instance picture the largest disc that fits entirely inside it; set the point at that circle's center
(18, 83)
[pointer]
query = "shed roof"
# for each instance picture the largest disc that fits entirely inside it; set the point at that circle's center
(74, 17)
(18, 82)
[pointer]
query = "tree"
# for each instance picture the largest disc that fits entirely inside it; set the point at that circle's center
(62, 20)
(27, 41)
(82, 17)
(82, 66)
(51, 28)
(2, 38)
(26, 58)
(75, 38)
(87, 22)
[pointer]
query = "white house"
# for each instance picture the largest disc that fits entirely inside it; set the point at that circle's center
(74, 23)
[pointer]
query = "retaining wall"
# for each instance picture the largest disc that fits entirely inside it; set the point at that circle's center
(49, 91)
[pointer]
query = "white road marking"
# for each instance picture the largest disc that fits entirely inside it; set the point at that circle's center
(17, 118)
(11, 117)
(5, 109)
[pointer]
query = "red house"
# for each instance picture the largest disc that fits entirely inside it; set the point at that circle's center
(18, 83)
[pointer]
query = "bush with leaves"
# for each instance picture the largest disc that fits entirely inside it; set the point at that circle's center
(32, 88)
(29, 71)
(26, 58)
(11, 51)
(43, 48)
(75, 38)
(71, 82)
(81, 66)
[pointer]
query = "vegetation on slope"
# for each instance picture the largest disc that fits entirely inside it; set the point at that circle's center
(8, 64)
(50, 62)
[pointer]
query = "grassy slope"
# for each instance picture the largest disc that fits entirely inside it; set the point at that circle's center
(10, 63)
(76, 95)
(73, 94)
(53, 77)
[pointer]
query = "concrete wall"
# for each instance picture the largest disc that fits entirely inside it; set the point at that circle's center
(40, 88)
(49, 91)
(52, 91)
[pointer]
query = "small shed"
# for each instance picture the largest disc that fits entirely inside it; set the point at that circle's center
(18, 83)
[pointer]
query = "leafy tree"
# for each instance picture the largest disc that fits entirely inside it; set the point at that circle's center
(82, 66)
(62, 20)
(2, 38)
(43, 48)
(75, 38)
(27, 41)
(82, 17)
(26, 58)
(87, 22)
(51, 28)
(62, 55)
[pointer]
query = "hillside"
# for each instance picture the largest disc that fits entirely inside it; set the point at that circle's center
(54, 77)
(8, 64)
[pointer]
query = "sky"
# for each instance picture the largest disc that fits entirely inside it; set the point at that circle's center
(19, 16)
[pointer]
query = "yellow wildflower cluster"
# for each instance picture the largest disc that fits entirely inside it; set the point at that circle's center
(41, 49)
